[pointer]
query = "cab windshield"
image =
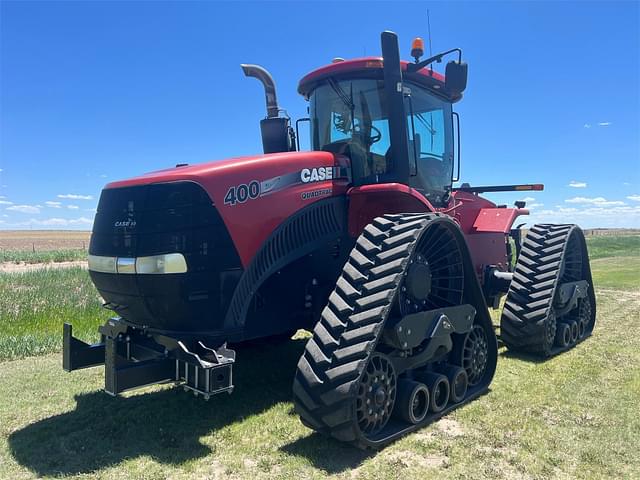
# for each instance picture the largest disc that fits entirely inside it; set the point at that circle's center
(350, 117)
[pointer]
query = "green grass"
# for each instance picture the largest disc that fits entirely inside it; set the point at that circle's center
(615, 261)
(573, 416)
(28, 256)
(616, 272)
(613, 246)
(34, 305)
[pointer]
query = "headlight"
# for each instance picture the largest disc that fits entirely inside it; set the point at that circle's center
(169, 263)
(155, 264)
(102, 264)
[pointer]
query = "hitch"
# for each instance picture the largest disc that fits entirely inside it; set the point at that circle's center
(134, 358)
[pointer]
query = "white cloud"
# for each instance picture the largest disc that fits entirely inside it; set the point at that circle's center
(635, 198)
(598, 201)
(626, 184)
(592, 216)
(104, 175)
(82, 222)
(73, 207)
(5, 202)
(528, 199)
(587, 125)
(531, 206)
(1, 170)
(74, 196)
(92, 210)
(604, 124)
(24, 208)
(576, 184)
(53, 204)
(63, 222)
(4, 215)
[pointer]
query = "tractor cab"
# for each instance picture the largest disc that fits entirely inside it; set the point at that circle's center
(403, 134)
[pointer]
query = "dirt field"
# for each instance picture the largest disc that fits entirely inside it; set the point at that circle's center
(43, 240)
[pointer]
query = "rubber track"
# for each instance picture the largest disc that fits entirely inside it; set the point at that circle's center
(326, 380)
(532, 290)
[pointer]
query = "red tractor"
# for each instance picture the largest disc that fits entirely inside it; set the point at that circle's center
(364, 241)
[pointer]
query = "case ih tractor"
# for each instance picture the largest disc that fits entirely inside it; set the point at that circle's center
(364, 241)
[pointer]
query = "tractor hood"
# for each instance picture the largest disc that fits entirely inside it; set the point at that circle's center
(255, 194)
(275, 163)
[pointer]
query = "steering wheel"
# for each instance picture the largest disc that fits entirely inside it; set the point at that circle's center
(378, 135)
(367, 137)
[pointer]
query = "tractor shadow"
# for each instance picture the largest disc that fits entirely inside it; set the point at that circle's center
(525, 357)
(327, 454)
(166, 425)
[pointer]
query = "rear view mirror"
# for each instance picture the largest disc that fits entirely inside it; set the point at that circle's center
(456, 77)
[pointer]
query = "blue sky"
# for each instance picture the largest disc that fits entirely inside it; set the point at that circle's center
(98, 91)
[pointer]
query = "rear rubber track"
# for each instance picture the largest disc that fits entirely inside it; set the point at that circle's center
(528, 315)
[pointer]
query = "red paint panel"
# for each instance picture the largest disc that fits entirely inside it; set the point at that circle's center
(354, 65)
(487, 249)
(252, 221)
(497, 219)
(370, 201)
(464, 208)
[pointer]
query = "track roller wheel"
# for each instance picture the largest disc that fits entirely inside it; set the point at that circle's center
(412, 402)
(574, 331)
(563, 335)
(553, 259)
(458, 382)
(439, 389)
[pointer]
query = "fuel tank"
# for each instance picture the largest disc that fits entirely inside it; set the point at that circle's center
(169, 248)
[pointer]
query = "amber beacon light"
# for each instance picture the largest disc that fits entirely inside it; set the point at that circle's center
(417, 48)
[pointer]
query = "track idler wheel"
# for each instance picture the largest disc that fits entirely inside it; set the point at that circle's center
(584, 317)
(412, 401)
(458, 382)
(438, 389)
(376, 395)
(563, 335)
(582, 329)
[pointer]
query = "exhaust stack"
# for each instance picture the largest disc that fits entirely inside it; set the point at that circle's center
(277, 135)
(256, 71)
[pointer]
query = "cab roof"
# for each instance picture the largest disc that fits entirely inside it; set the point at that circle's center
(369, 67)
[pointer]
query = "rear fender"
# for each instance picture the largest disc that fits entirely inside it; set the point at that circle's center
(497, 220)
(370, 201)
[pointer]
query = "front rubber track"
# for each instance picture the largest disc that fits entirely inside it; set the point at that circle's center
(532, 290)
(326, 381)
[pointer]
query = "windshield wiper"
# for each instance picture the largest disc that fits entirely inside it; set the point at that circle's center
(348, 101)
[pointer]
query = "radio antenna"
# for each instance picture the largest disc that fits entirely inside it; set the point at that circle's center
(429, 32)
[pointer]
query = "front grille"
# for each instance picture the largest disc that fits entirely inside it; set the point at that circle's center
(176, 217)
